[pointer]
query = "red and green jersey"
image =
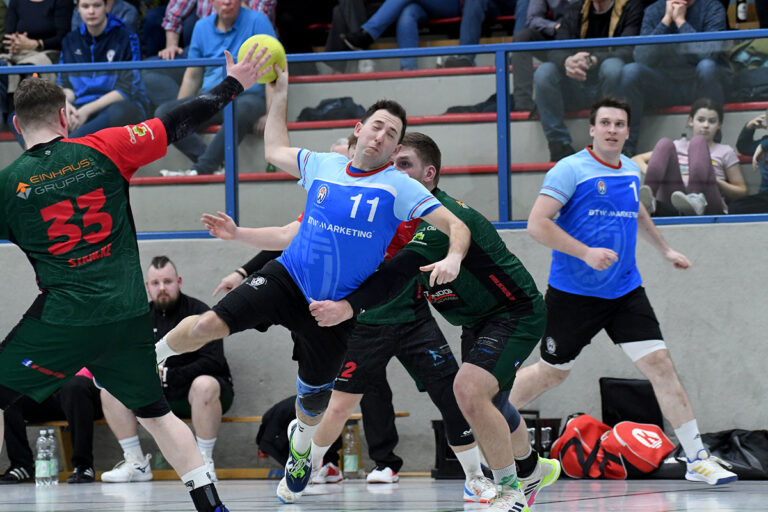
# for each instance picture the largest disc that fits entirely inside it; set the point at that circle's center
(65, 204)
(491, 280)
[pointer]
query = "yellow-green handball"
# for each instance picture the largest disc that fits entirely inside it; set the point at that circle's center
(274, 47)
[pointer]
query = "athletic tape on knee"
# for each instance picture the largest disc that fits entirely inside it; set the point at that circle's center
(313, 400)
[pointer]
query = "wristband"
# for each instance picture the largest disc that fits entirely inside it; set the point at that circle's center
(241, 273)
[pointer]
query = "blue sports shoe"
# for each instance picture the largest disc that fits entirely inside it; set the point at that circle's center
(221, 508)
(298, 469)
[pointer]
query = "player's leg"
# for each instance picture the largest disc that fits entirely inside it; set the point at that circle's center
(127, 368)
(205, 403)
(340, 407)
(488, 368)
(135, 465)
(191, 334)
(381, 432)
(7, 398)
(636, 329)
(569, 329)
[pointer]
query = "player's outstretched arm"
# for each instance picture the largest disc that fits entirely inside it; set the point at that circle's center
(542, 227)
(271, 238)
(187, 117)
(652, 235)
(448, 268)
(277, 145)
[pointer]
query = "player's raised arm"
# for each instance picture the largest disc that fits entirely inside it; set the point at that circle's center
(542, 227)
(277, 145)
(272, 238)
(459, 236)
(187, 117)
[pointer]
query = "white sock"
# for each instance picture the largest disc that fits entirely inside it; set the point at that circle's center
(689, 436)
(318, 452)
(198, 476)
(163, 351)
(206, 446)
(302, 437)
(470, 462)
(132, 446)
(505, 477)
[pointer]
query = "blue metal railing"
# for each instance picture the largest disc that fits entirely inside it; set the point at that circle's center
(500, 52)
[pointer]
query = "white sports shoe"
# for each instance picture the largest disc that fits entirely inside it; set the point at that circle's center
(689, 204)
(546, 473)
(708, 468)
(382, 476)
(479, 489)
(648, 199)
(130, 469)
(511, 500)
(208, 461)
(328, 474)
(284, 494)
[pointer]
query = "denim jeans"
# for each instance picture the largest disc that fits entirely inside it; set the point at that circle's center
(555, 93)
(641, 84)
(207, 159)
(408, 14)
(475, 12)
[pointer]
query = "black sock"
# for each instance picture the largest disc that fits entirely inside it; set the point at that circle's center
(206, 499)
(526, 466)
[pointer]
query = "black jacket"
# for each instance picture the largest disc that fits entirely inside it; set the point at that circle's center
(183, 369)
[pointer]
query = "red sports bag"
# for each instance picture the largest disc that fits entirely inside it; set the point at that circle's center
(589, 448)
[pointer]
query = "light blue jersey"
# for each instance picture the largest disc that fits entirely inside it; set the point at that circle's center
(600, 208)
(349, 220)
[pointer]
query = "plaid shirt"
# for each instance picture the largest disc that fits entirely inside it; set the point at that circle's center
(177, 10)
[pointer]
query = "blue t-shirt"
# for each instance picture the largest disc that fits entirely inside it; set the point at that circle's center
(210, 42)
(600, 208)
(349, 220)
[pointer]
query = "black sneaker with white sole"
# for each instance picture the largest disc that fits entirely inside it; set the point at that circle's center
(82, 475)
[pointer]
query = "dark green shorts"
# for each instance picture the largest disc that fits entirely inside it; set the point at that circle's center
(182, 409)
(37, 358)
(501, 344)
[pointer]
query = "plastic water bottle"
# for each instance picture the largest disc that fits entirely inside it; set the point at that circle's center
(684, 168)
(351, 463)
(742, 11)
(42, 462)
(54, 461)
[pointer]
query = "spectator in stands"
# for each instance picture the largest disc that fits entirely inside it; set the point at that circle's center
(573, 80)
(33, 33)
(476, 12)
(546, 20)
(197, 385)
(227, 30)
(675, 74)
(747, 145)
(120, 9)
(695, 177)
(292, 18)
(408, 14)
(103, 99)
(78, 402)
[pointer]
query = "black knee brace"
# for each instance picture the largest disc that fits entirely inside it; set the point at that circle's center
(313, 400)
(501, 401)
(154, 410)
(457, 429)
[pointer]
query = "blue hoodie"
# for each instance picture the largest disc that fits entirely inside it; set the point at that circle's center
(116, 43)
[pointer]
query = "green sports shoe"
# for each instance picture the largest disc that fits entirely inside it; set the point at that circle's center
(545, 474)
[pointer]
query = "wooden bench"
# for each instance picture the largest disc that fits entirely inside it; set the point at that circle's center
(64, 440)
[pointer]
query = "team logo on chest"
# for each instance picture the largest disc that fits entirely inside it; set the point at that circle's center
(601, 188)
(322, 194)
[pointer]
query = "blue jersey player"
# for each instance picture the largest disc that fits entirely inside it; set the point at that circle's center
(594, 283)
(353, 209)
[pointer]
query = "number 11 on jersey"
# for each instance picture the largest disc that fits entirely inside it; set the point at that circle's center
(356, 199)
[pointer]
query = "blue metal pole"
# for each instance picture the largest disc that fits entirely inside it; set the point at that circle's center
(231, 178)
(502, 135)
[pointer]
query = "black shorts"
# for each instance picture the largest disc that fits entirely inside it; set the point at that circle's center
(501, 343)
(178, 400)
(573, 320)
(271, 297)
(419, 345)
